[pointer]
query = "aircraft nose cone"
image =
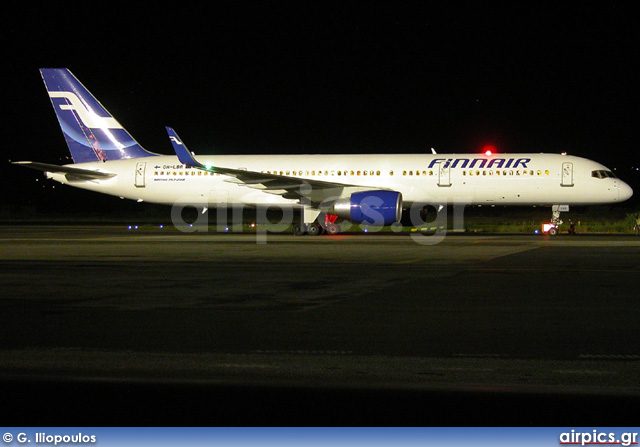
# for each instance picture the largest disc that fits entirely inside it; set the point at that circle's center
(625, 192)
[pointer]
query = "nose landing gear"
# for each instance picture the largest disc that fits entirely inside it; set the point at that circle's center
(555, 219)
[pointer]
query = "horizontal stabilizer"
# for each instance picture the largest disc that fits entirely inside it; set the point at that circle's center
(73, 173)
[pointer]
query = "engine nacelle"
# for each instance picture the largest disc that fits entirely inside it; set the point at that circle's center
(370, 207)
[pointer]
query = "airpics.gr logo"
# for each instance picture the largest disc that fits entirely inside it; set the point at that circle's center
(87, 116)
(598, 437)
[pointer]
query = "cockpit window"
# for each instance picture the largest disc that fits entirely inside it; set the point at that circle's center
(603, 174)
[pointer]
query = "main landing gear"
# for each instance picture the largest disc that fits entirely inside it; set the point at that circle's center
(312, 229)
(315, 228)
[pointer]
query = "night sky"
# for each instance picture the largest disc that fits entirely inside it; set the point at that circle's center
(246, 78)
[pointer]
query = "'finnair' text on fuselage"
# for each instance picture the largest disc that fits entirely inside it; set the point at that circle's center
(483, 162)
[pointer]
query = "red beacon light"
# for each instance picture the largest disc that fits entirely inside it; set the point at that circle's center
(489, 150)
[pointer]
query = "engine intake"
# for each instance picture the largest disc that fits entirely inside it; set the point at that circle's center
(370, 207)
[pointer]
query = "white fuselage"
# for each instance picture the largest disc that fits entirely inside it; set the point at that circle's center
(472, 179)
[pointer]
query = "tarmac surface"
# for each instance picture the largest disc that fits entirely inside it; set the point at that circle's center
(109, 326)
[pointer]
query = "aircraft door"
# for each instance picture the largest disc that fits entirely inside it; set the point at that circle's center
(567, 174)
(140, 168)
(444, 175)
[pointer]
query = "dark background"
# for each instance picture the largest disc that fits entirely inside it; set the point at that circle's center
(244, 78)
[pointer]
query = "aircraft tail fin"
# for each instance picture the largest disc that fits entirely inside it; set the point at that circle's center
(90, 131)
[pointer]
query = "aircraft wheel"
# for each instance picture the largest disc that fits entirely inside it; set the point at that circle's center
(333, 229)
(313, 229)
(298, 230)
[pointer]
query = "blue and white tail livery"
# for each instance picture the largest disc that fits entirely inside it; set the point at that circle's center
(90, 131)
(360, 188)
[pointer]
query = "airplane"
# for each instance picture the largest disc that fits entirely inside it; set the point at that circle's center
(370, 189)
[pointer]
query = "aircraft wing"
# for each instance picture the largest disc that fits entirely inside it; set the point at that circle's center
(71, 173)
(314, 191)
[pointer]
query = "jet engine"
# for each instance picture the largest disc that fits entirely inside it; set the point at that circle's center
(369, 207)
